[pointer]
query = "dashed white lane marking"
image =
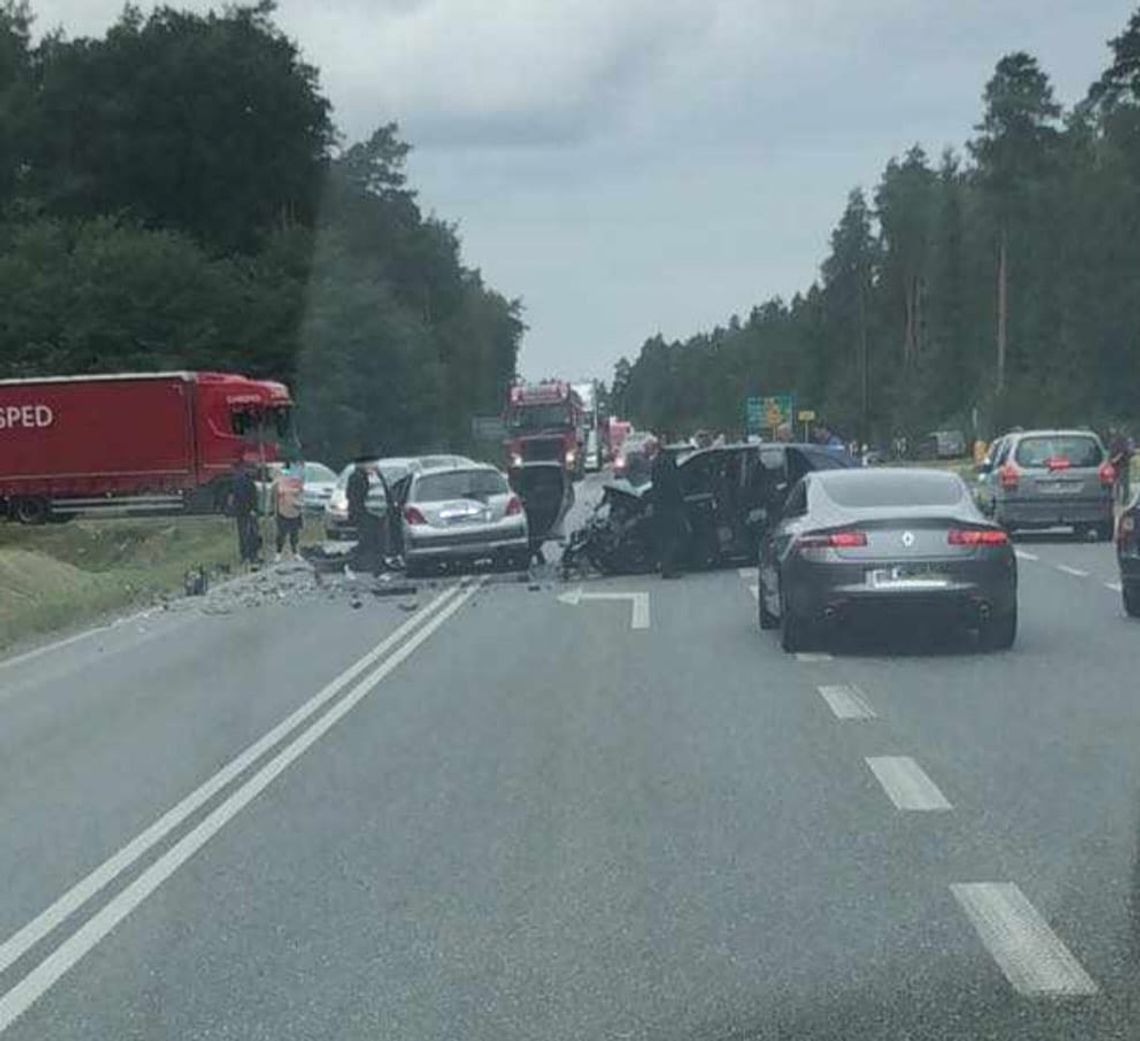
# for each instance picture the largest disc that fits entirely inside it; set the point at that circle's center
(1076, 572)
(812, 656)
(1114, 586)
(905, 783)
(847, 701)
(1032, 956)
(1024, 554)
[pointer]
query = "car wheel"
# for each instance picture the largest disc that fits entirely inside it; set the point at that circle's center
(999, 631)
(791, 628)
(30, 510)
(1104, 532)
(1131, 596)
(767, 619)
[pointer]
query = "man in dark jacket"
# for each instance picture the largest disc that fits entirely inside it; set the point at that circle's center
(367, 556)
(244, 500)
(668, 510)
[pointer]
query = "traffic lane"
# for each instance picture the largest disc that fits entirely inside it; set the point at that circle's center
(1037, 748)
(1073, 556)
(589, 830)
(90, 758)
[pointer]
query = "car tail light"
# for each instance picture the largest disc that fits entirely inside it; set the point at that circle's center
(619, 462)
(514, 506)
(834, 540)
(413, 516)
(1058, 462)
(977, 537)
(1107, 473)
(1009, 476)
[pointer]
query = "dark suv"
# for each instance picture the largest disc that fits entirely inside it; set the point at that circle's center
(732, 490)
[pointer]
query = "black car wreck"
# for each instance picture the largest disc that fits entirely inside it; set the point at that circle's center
(730, 493)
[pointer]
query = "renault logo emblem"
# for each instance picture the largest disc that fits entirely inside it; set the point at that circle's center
(908, 539)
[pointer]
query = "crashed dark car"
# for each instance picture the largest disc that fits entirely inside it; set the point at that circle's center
(730, 492)
(547, 493)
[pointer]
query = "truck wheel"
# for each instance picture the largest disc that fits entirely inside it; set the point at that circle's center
(30, 510)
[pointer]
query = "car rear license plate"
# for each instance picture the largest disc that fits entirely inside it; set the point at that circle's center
(1058, 487)
(906, 576)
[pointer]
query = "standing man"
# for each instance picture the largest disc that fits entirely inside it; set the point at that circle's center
(244, 499)
(288, 493)
(1120, 455)
(668, 509)
(367, 555)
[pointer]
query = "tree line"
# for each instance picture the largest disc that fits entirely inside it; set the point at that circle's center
(176, 195)
(984, 289)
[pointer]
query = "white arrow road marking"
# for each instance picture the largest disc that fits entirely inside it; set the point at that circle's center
(639, 618)
(1024, 554)
(1031, 955)
(755, 591)
(906, 784)
(1114, 586)
(812, 656)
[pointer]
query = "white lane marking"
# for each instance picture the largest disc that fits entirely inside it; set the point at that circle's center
(847, 701)
(17, 1000)
(47, 920)
(1031, 955)
(812, 656)
(906, 784)
(639, 615)
(1024, 554)
(640, 618)
(1116, 587)
(746, 573)
(1076, 572)
(755, 591)
(67, 641)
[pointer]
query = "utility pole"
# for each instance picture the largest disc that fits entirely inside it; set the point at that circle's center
(1002, 307)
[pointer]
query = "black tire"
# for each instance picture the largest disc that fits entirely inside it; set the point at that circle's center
(1130, 594)
(999, 631)
(768, 620)
(791, 628)
(30, 510)
(1104, 532)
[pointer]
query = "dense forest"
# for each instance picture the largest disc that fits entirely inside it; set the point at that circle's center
(176, 195)
(1001, 284)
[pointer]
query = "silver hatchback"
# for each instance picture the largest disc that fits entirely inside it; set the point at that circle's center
(1050, 478)
(462, 514)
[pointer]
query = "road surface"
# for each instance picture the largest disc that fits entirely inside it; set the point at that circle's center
(518, 813)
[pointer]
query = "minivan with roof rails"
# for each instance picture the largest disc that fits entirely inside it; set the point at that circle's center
(1038, 479)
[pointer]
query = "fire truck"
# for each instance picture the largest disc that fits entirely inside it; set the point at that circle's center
(545, 422)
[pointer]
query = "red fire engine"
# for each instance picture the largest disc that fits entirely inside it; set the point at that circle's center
(545, 423)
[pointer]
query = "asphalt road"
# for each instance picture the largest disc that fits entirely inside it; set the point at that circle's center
(565, 812)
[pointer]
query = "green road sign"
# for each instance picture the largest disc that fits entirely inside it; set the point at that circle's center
(769, 413)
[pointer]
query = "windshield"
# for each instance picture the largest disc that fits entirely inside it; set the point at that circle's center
(1073, 448)
(538, 417)
(680, 670)
(459, 484)
(860, 490)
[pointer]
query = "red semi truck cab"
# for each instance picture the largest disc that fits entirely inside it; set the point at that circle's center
(544, 424)
(136, 442)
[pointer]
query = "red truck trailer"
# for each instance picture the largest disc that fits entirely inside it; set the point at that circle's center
(156, 442)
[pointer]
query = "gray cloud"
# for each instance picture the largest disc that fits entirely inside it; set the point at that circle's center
(629, 166)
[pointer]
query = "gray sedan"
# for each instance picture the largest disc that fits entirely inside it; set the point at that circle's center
(462, 513)
(860, 541)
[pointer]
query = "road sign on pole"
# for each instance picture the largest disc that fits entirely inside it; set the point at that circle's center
(769, 413)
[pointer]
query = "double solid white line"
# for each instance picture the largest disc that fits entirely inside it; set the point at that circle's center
(42, 976)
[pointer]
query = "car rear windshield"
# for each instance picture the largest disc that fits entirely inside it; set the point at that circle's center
(865, 489)
(459, 484)
(1077, 449)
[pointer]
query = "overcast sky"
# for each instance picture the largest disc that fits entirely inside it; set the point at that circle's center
(628, 167)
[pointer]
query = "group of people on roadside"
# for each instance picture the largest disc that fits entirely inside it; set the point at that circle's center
(286, 500)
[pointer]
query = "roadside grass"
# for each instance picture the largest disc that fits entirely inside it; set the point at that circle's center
(60, 576)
